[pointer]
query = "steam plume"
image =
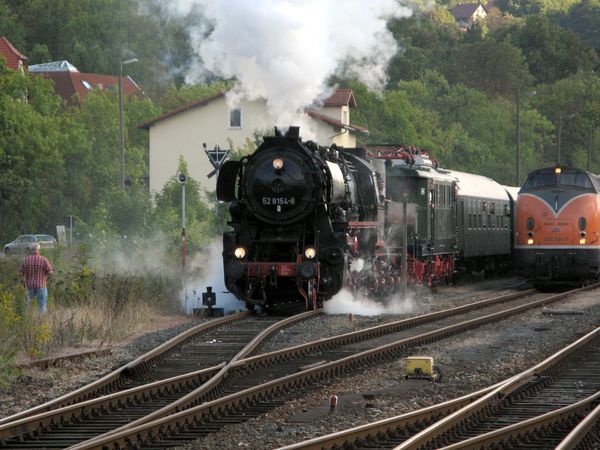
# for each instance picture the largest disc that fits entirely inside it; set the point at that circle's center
(283, 51)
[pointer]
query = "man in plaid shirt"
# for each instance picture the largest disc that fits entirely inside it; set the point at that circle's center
(35, 270)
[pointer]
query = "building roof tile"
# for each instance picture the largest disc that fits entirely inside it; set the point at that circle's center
(11, 54)
(464, 10)
(74, 86)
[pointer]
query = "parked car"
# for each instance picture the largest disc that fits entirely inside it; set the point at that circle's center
(22, 244)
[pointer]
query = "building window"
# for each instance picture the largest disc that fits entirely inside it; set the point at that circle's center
(235, 118)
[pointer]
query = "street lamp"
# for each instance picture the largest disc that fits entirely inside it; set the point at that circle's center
(559, 137)
(121, 131)
(518, 132)
(590, 141)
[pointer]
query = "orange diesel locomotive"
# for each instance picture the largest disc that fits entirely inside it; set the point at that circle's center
(557, 227)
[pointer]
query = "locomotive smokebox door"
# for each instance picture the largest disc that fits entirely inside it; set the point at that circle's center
(209, 298)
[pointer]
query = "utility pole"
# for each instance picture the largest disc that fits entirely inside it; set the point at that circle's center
(121, 129)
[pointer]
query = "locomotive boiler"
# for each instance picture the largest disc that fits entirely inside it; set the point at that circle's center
(308, 220)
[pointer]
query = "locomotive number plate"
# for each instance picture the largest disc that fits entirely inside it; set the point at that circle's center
(278, 201)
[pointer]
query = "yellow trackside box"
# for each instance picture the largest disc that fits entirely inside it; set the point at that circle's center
(419, 366)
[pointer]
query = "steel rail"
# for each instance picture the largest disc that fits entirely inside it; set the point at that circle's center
(490, 399)
(533, 425)
(56, 360)
(242, 360)
(110, 381)
(56, 417)
(348, 437)
(580, 432)
(63, 415)
(278, 356)
(232, 403)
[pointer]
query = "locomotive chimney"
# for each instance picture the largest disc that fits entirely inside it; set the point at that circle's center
(293, 132)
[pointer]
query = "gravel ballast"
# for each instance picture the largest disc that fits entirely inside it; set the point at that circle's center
(469, 361)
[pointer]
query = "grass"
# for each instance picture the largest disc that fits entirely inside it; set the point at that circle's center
(86, 309)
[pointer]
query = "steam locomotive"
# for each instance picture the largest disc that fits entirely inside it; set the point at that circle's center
(557, 227)
(308, 220)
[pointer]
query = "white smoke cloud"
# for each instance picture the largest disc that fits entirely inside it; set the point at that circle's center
(283, 51)
(345, 302)
(211, 262)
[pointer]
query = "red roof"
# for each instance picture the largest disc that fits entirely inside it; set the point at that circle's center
(68, 84)
(340, 97)
(336, 123)
(11, 55)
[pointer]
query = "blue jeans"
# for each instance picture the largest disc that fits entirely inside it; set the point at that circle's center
(42, 297)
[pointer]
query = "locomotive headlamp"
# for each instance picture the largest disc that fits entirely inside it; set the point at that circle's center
(557, 170)
(582, 234)
(582, 241)
(530, 241)
(278, 164)
(530, 234)
(240, 252)
(310, 252)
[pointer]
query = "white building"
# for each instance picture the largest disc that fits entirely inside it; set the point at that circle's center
(184, 131)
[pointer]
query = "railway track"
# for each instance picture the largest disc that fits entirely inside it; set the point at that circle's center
(147, 385)
(535, 409)
(141, 367)
(259, 383)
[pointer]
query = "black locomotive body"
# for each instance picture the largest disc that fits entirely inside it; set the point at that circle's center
(308, 220)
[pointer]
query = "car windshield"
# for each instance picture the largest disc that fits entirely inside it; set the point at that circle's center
(27, 238)
(44, 237)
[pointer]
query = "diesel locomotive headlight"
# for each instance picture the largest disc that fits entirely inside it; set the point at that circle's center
(240, 252)
(530, 234)
(582, 234)
(530, 241)
(557, 170)
(278, 164)
(310, 252)
(582, 241)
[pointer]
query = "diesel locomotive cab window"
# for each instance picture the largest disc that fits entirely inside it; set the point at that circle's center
(580, 180)
(539, 180)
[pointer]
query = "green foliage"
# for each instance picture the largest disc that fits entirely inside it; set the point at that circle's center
(584, 20)
(552, 52)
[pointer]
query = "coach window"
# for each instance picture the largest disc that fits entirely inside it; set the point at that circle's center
(235, 118)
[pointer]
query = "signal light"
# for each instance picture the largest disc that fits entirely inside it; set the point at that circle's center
(310, 252)
(240, 252)
(529, 241)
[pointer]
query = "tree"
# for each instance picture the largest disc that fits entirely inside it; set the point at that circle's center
(497, 68)
(553, 52)
(583, 19)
